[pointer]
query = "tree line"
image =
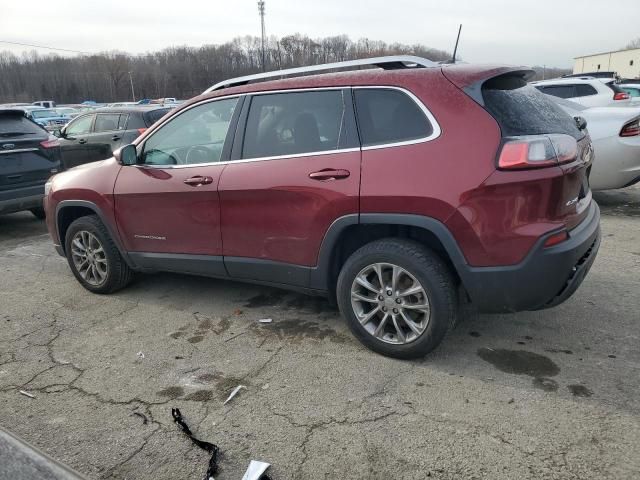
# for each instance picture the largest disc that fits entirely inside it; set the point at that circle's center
(180, 72)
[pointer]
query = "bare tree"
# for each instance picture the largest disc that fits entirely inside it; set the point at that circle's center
(633, 44)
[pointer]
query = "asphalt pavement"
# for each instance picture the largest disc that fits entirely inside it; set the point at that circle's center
(547, 394)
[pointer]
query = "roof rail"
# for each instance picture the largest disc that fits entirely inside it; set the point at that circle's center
(394, 62)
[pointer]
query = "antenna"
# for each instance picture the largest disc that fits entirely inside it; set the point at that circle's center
(261, 10)
(455, 50)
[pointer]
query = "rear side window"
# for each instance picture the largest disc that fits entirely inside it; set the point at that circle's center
(122, 123)
(153, 116)
(16, 125)
(106, 122)
(389, 116)
(585, 90)
(521, 109)
(294, 123)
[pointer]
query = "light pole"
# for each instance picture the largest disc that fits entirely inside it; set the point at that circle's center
(133, 93)
(261, 10)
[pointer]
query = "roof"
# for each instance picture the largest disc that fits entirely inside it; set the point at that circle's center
(127, 109)
(607, 53)
(561, 81)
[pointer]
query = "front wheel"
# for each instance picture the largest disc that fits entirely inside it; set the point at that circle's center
(94, 258)
(399, 298)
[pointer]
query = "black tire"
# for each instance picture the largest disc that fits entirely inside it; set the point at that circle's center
(430, 271)
(118, 274)
(38, 212)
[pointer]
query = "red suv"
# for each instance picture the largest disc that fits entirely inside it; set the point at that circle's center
(401, 192)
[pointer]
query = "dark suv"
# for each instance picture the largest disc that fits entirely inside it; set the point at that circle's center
(401, 192)
(29, 155)
(96, 135)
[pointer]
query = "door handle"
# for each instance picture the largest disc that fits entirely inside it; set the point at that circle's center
(82, 141)
(329, 174)
(198, 181)
(115, 138)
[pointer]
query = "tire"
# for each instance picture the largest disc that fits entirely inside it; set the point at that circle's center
(38, 212)
(111, 273)
(431, 311)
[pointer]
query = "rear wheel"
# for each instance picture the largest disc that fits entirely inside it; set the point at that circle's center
(38, 212)
(398, 297)
(94, 258)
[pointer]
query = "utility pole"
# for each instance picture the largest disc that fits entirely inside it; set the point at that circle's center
(455, 49)
(133, 94)
(261, 10)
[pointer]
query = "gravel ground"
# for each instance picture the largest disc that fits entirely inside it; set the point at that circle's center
(550, 394)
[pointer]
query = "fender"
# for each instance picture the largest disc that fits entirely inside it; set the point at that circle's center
(319, 276)
(91, 206)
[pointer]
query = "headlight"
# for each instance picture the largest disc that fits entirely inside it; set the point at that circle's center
(47, 187)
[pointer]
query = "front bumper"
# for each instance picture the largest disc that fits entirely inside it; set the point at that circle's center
(544, 279)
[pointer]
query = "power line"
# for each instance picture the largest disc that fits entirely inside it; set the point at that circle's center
(48, 48)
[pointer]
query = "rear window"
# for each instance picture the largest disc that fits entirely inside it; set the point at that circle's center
(153, 116)
(521, 109)
(614, 87)
(17, 125)
(560, 91)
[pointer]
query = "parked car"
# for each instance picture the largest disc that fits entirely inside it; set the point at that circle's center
(29, 155)
(633, 89)
(49, 118)
(399, 192)
(45, 104)
(121, 104)
(615, 133)
(590, 92)
(68, 112)
(96, 135)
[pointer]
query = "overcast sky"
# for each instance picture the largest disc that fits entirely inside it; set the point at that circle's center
(540, 32)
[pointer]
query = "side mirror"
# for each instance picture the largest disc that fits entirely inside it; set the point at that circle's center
(58, 133)
(127, 155)
(581, 123)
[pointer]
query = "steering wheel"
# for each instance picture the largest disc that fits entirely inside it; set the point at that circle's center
(198, 154)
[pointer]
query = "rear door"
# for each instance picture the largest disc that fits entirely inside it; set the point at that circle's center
(295, 170)
(167, 206)
(73, 142)
(26, 162)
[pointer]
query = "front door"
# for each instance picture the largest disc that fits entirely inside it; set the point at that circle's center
(167, 207)
(298, 170)
(74, 146)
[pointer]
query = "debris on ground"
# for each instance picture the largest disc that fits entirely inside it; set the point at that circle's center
(142, 416)
(140, 355)
(265, 320)
(212, 469)
(27, 394)
(234, 393)
(256, 471)
(237, 311)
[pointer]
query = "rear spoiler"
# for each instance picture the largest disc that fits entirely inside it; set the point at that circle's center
(471, 78)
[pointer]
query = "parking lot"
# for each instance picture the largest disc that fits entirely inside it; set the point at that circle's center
(549, 394)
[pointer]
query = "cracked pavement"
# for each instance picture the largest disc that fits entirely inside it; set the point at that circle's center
(550, 394)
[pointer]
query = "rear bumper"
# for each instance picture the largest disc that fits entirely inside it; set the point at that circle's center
(544, 279)
(21, 199)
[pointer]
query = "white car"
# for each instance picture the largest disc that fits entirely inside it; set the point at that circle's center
(587, 91)
(633, 89)
(615, 133)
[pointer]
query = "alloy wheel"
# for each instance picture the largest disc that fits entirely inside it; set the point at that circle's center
(89, 258)
(390, 303)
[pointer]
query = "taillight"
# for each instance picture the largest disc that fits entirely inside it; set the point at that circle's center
(537, 151)
(51, 143)
(556, 238)
(631, 129)
(141, 131)
(621, 96)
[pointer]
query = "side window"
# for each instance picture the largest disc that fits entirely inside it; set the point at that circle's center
(293, 123)
(122, 123)
(106, 122)
(585, 90)
(560, 91)
(192, 137)
(80, 125)
(389, 116)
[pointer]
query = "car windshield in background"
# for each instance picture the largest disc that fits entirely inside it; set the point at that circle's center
(17, 125)
(44, 114)
(521, 109)
(153, 116)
